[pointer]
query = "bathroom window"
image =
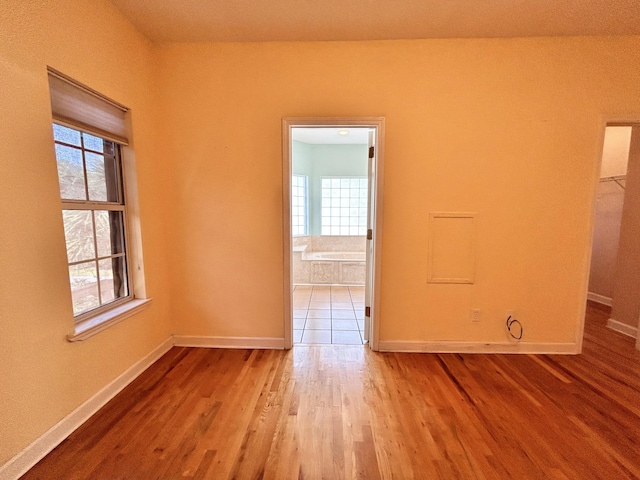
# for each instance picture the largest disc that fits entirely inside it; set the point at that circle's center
(299, 205)
(344, 206)
(93, 212)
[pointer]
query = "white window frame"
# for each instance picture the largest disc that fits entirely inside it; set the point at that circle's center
(119, 205)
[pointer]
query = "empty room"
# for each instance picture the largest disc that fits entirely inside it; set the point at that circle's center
(187, 290)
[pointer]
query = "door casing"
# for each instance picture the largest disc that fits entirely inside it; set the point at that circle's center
(376, 123)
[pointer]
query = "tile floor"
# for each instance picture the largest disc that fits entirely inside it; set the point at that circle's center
(328, 315)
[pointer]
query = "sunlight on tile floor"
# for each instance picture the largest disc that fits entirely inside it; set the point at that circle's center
(328, 315)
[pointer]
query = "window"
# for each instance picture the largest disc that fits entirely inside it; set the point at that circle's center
(344, 206)
(299, 212)
(93, 211)
(90, 132)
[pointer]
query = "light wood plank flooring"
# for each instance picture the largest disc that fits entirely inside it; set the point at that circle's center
(337, 412)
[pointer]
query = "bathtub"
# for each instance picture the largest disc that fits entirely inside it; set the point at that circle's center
(336, 256)
(330, 268)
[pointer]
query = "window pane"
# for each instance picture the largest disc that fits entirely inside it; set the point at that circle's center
(298, 205)
(66, 135)
(78, 232)
(101, 177)
(93, 143)
(348, 201)
(70, 173)
(113, 279)
(109, 232)
(84, 287)
(107, 292)
(96, 177)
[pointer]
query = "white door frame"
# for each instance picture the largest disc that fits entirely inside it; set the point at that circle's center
(377, 123)
(606, 120)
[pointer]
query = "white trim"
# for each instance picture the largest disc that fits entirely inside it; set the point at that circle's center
(594, 297)
(27, 458)
(623, 328)
(269, 343)
(371, 122)
(89, 327)
(475, 347)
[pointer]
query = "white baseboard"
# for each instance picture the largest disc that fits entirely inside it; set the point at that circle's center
(475, 347)
(27, 458)
(623, 328)
(594, 297)
(269, 343)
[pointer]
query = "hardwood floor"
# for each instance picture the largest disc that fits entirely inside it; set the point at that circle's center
(345, 412)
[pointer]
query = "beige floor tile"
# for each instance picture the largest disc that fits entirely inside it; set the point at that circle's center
(318, 324)
(321, 295)
(345, 338)
(341, 297)
(341, 305)
(340, 324)
(319, 305)
(346, 314)
(316, 336)
(322, 313)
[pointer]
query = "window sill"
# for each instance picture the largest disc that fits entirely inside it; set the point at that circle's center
(91, 326)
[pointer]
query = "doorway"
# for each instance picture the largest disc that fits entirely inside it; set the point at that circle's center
(615, 259)
(332, 179)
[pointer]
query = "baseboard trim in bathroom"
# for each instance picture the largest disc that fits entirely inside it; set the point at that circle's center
(267, 343)
(594, 297)
(475, 347)
(623, 328)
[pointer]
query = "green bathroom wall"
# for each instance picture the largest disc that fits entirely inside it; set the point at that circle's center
(319, 161)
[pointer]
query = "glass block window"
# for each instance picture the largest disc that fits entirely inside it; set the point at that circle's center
(299, 204)
(93, 212)
(344, 206)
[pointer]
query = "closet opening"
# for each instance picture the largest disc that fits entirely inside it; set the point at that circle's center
(615, 259)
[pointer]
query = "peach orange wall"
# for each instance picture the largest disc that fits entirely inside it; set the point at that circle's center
(43, 377)
(507, 128)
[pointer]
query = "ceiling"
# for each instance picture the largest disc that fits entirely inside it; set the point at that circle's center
(330, 135)
(316, 20)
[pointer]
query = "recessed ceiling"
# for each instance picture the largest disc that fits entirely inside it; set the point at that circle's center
(295, 20)
(330, 135)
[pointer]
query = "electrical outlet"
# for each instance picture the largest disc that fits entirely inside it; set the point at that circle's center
(475, 315)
